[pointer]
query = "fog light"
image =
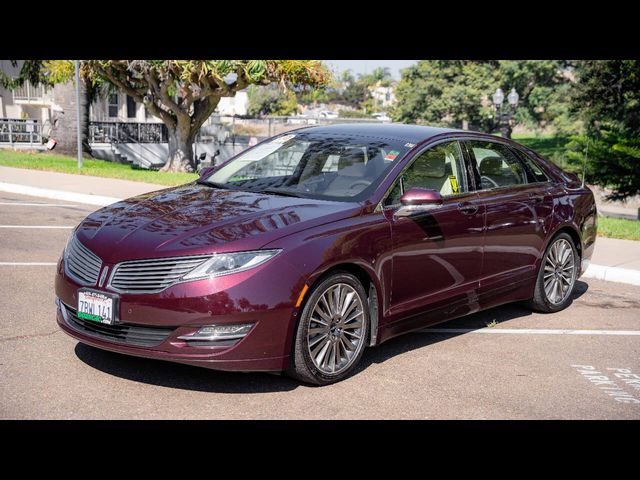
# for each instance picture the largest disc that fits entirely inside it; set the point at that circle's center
(219, 332)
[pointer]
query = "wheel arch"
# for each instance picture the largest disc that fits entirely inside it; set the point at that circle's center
(371, 286)
(570, 230)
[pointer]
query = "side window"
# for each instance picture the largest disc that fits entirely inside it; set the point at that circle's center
(535, 173)
(498, 165)
(112, 106)
(440, 168)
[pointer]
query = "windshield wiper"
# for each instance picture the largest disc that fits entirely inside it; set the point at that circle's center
(277, 191)
(212, 184)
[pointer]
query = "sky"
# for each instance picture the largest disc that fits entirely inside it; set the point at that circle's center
(367, 66)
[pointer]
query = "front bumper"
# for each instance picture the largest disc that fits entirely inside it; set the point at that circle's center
(150, 324)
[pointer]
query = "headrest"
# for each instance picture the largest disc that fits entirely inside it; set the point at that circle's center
(491, 166)
(352, 156)
(432, 165)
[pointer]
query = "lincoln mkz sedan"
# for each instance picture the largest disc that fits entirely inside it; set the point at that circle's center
(312, 245)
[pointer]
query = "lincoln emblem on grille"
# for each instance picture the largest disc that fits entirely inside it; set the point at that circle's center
(105, 270)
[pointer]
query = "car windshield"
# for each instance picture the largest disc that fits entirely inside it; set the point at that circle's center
(331, 167)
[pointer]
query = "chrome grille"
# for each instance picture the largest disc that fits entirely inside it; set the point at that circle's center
(151, 276)
(81, 263)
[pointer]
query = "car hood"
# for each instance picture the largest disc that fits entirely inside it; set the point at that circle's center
(194, 219)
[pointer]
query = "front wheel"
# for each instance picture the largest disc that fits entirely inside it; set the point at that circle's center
(332, 331)
(557, 275)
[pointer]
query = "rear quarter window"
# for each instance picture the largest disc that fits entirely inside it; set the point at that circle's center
(535, 173)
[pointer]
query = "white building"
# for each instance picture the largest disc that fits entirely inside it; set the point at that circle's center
(26, 102)
(236, 105)
(384, 97)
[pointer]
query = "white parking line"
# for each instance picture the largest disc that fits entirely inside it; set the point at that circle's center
(36, 226)
(27, 264)
(57, 194)
(30, 204)
(532, 331)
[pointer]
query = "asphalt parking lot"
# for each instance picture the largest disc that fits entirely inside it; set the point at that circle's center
(499, 364)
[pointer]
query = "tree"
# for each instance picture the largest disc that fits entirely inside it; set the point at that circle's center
(447, 93)
(354, 93)
(543, 87)
(607, 98)
(60, 74)
(271, 100)
(184, 93)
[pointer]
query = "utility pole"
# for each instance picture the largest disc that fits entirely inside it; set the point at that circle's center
(77, 64)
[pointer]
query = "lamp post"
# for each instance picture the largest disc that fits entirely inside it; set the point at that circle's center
(504, 114)
(78, 130)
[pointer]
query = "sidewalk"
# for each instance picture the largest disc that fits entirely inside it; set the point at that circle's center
(629, 209)
(613, 259)
(69, 187)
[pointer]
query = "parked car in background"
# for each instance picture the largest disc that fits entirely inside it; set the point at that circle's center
(327, 114)
(382, 116)
(310, 246)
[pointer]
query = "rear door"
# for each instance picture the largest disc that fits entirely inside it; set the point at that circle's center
(518, 206)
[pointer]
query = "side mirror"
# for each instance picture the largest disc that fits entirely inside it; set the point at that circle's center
(418, 200)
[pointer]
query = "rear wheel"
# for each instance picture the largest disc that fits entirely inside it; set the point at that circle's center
(332, 331)
(557, 275)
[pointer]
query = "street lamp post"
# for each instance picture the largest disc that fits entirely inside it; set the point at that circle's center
(78, 131)
(504, 115)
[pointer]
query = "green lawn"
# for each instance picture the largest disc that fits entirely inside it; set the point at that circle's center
(550, 147)
(97, 168)
(619, 228)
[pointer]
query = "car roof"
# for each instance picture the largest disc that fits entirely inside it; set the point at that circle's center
(398, 131)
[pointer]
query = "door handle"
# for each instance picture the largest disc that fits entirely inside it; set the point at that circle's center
(467, 208)
(536, 198)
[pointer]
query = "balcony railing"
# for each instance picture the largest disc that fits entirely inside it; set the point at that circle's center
(116, 132)
(29, 93)
(22, 132)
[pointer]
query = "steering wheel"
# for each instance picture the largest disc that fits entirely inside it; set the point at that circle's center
(489, 180)
(366, 183)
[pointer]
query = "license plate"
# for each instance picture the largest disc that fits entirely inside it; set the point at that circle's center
(97, 306)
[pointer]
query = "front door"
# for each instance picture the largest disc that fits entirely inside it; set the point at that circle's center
(437, 256)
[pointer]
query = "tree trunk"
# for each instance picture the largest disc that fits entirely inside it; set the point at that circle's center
(180, 148)
(64, 128)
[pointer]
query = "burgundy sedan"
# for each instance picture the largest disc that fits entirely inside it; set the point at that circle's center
(303, 250)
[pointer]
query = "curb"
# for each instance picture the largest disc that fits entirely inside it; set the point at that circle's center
(613, 274)
(58, 194)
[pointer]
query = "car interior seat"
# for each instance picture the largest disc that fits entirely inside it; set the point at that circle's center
(430, 171)
(351, 169)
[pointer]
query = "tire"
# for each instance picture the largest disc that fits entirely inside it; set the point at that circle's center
(558, 297)
(321, 327)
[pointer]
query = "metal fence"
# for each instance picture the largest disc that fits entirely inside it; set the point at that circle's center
(116, 132)
(274, 125)
(21, 132)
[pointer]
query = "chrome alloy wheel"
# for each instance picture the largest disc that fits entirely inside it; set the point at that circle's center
(336, 329)
(559, 271)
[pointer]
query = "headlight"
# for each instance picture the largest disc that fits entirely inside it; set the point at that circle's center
(227, 263)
